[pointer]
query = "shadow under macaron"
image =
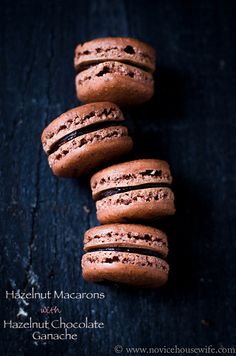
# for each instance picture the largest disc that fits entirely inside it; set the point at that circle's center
(168, 101)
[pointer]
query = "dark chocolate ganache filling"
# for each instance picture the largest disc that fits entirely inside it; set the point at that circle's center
(82, 131)
(108, 192)
(140, 251)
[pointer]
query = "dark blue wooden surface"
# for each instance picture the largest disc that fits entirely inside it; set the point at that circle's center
(190, 122)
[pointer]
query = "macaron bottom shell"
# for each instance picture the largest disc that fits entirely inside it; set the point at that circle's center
(82, 160)
(125, 268)
(115, 87)
(137, 205)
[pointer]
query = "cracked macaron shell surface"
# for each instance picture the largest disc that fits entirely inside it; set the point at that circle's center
(131, 191)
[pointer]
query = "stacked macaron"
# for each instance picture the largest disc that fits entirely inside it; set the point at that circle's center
(85, 137)
(114, 71)
(126, 253)
(122, 250)
(133, 191)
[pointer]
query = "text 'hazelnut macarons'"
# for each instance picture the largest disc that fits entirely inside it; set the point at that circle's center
(85, 137)
(132, 191)
(117, 69)
(126, 253)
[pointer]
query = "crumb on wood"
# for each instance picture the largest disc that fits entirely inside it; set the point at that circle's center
(86, 209)
(205, 322)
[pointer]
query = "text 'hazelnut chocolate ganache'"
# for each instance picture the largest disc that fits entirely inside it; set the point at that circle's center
(85, 137)
(132, 191)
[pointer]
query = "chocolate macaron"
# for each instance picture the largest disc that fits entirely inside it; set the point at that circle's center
(132, 191)
(126, 253)
(117, 69)
(85, 137)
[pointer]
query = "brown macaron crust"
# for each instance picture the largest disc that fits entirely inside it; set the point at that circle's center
(120, 49)
(117, 69)
(126, 253)
(133, 191)
(85, 137)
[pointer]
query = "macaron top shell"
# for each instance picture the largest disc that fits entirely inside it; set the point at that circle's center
(133, 173)
(123, 49)
(78, 118)
(128, 236)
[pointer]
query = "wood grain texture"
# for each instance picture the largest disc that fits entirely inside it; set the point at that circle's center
(190, 122)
